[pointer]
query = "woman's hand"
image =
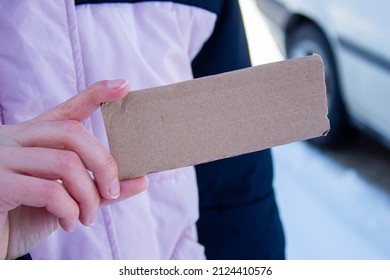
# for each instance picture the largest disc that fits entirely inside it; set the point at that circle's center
(45, 166)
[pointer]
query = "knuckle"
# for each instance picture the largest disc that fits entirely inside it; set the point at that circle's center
(68, 159)
(108, 163)
(53, 192)
(65, 110)
(72, 126)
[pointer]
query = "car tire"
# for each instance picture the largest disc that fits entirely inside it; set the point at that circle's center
(308, 39)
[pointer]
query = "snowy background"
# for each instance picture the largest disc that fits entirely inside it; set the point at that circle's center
(334, 205)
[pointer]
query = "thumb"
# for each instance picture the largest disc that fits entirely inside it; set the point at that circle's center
(82, 105)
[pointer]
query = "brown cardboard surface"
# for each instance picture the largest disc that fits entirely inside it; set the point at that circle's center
(216, 117)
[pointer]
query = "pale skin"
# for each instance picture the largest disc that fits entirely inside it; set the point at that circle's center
(44, 172)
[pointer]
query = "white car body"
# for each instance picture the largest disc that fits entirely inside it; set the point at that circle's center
(358, 33)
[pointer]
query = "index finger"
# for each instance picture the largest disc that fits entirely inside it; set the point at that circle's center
(82, 105)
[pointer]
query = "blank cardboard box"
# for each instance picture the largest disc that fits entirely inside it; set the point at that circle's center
(217, 117)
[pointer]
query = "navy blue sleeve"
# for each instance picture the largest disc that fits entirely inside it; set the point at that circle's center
(227, 48)
(239, 217)
(25, 257)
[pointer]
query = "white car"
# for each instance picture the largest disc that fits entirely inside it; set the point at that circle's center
(353, 38)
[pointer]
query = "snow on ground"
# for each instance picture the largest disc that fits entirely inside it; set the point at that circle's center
(329, 212)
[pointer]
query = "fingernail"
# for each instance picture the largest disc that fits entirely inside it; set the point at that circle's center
(93, 219)
(114, 189)
(117, 84)
(72, 227)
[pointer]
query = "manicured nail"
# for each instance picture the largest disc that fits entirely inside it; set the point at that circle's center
(117, 84)
(93, 219)
(114, 189)
(72, 227)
